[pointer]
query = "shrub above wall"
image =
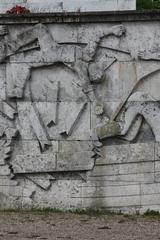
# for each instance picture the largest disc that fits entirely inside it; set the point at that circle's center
(148, 4)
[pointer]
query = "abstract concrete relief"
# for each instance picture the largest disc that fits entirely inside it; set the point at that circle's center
(65, 99)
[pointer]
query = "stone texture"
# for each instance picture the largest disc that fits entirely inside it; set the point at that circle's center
(119, 169)
(78, 161)
(69, 6)
(4, 171)
(79, 114)
(41, 180)
(34, 163)
(125, 178)
(110, 191)
(126, 153)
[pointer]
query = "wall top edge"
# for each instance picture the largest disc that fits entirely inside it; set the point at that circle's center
(81, 17)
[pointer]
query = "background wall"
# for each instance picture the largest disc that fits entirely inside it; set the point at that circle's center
(69, 6)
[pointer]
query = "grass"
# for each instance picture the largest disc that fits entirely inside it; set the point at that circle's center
(32, 210)
(91, 212)
(152, 213)
(87, 211)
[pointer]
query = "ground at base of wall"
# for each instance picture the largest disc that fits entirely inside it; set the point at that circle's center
(56, 226)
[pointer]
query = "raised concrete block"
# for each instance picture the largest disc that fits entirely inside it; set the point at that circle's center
(35, 163)
(78, 161)
(126, 153)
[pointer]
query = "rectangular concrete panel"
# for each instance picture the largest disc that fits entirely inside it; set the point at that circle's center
(70, 6)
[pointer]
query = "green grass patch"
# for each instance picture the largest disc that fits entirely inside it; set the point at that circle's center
(152, 213)
(86, 211)
(32, 210)
(94, 212)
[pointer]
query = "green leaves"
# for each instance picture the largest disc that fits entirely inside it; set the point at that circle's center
(148, 4)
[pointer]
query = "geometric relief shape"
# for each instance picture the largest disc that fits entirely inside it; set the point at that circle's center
(48, 112)
(134, 129)
(38, 128)
(150, 110)
(73, 118)
(7, 110)
(16, 77)
(3, 82)
(34, 163)
(41, 180)
(30, 124)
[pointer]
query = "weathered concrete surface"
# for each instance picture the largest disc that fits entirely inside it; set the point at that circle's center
(79, 113)
(69, 6)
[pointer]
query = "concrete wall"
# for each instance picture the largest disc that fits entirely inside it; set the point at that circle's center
(69, 5)
(79, 113)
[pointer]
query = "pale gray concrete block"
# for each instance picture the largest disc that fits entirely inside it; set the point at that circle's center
(131, 210)
(142, 167)
(157, 152)
(3, 82)
(157, 176)
(61, 189)
(126, 153)
(77, 161)
(81, 130)
(112, 88)
(5, 170)
(46, 90)
(126, 4)
(157, 166)
(65, 53)
(43, 180)
(125, 179)
(11, 202)
(34, 163)
(16, 78)
(150, 189)
(75, 146)
(49, 119)
(110, 191)
(150, 199)
(13, 191)
(111, 202)
(28, 189)
(6, 181)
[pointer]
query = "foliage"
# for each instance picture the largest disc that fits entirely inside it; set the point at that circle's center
(152, 213)
(148, 4)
